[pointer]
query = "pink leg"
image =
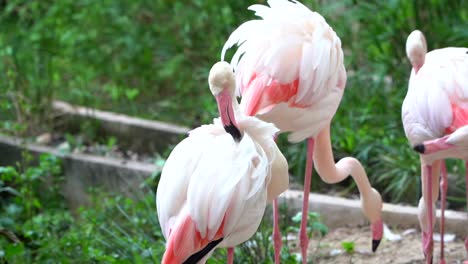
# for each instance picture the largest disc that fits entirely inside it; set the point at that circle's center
(230, 255)
(428, 241)
(277, 241)
(276, 231)
(443, 197)
(303, 237)
(466, 183)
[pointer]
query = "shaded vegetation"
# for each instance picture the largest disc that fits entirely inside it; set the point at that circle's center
(41, 229)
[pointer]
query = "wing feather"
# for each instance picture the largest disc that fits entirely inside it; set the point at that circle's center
(174, 182)
(210, 178)
(288, 43)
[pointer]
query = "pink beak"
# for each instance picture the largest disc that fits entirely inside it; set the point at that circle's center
(433, 146)
(226, 112)
(377, 233)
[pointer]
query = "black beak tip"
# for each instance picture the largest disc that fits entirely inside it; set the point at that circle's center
(193, 259)
(375, 244)
(420, 148)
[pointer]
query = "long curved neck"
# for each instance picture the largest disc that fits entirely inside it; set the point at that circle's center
(325, 164)
(371, 201)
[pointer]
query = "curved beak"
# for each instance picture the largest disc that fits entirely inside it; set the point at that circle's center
(377, 233)
(433, 146)
(193, 259)
(226, 112)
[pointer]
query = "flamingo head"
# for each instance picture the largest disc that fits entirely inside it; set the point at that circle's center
(221, 79)
(416, 49)
(222, 86)
(372, 209)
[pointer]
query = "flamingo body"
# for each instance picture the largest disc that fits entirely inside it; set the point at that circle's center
(435, 119)
(214, 189)
(290, 71)
(437, 100)
(289, 68)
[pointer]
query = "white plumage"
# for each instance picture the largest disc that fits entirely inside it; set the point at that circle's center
(213, 172)
(289, 44)
(290, 71)
(440, 83)
(435, 119)
(215, 187)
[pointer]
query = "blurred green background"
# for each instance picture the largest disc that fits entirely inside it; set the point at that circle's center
(151, 59)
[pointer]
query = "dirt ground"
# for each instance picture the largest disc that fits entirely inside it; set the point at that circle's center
(407, 250)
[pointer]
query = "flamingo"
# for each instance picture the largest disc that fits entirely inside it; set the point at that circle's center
(289, 70)
(215, 184)
(435, 120)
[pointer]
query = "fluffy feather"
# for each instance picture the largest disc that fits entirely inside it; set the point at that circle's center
(289, 44)
(221, 185)
(459, 138)
(435, 108)
(440, 84)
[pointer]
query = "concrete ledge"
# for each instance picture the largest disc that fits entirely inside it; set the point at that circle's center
(341, 212)
(136, 134)
(83, 171)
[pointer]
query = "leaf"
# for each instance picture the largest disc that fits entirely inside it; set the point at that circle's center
(348, 246)
(314, 216)
(7, 173)
(320, 227)
(297, 218)
(13, 250)
(132, 93)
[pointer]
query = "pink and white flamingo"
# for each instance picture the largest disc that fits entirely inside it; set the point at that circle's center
(435, 119)
(215, 184)
(289, 70)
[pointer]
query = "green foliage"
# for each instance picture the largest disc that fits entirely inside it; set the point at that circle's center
(29, 206)
(115, 55)
(315, 227)
(37, 227)
(348, 246)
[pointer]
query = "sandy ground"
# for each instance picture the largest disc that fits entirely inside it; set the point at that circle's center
(406, 250)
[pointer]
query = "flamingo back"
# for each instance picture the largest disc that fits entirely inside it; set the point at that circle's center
(437, 100)
(213, 187)
(291, 56)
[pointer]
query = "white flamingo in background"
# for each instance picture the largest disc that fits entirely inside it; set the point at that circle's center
(435, 119)
(215, 184)
(289, 70)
